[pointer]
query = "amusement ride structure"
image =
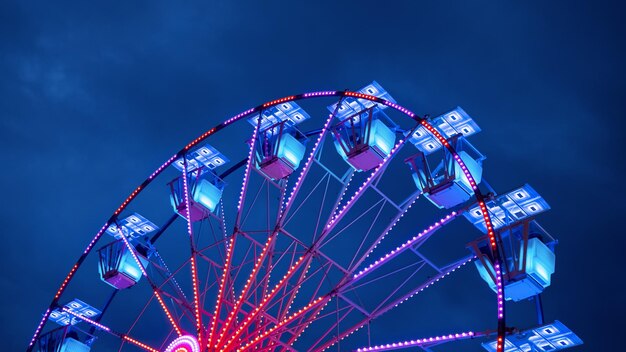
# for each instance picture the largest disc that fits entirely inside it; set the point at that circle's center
(294, 232)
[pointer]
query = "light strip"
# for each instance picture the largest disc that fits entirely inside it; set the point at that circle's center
(194, 270)
(286, 307)
(500, 339)
(248, 320)
(247, 173)
(418, 342)
(399, 108)
(365, 184)
(196, 297)
(82, 317)
(378, 312)
(437, 225)
(66, 281)
(499, 285)
(220, 292)
(490, 232)
(96, 238)
(278, 101)
(319, 94)
(199, 139)
(169, 273)
(299, 333)
(244, 292)
(167, 312)
(139, 344)
(239, 116)
(41, 323)
(165, 164)
(363, 96)
(308, 163)
(185, 343)
(131, 249)
(285, 321)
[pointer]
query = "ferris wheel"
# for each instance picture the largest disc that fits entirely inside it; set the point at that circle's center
(313, 225)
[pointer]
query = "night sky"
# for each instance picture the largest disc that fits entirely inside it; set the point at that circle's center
(94, 97)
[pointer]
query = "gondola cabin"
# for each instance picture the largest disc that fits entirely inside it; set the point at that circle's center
(278, 151)
(530, 260)
(69, 337)
(204, 186)
(531, 278)
(116, 264)
(207, 193)
(365, 135)
(363, 139)
(447, 185)
(279, 146)
(118, 268)
(528, 248)
(63, 339)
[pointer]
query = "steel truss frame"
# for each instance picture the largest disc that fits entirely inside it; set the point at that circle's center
(260, 315)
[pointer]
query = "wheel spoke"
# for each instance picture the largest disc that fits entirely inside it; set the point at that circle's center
(221, 289)
(246, 288)
(382, 309)
(246, 177)
(309, 162)
(194, 271)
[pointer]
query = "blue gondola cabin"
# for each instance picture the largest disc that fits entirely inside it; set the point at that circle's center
(64, 339)
(363, 139)
(279, 152)
(205, 194)
(118, 268)
(537, 264)
(447, 185)
(204, 186)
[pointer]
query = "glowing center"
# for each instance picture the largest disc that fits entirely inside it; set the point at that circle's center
(185, 343)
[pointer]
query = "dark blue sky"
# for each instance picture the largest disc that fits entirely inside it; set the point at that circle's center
(93, 97)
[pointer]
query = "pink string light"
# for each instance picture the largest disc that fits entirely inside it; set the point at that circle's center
(418, 342)
(408, 244)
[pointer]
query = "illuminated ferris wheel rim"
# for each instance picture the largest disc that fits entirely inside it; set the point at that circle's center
(501, 330)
